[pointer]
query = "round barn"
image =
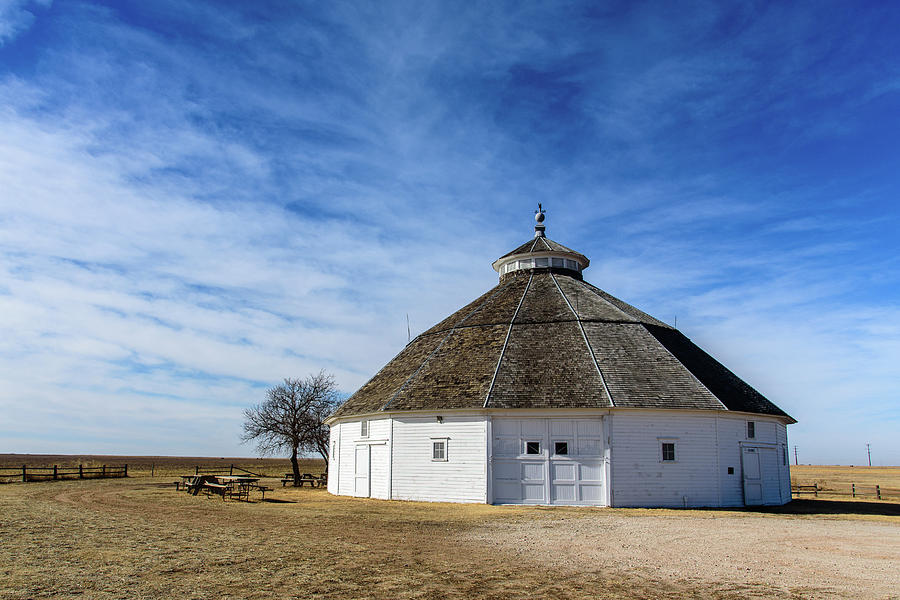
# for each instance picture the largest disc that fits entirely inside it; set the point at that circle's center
(547, 390)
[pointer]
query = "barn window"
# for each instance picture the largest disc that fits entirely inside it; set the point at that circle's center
(558, 262)
(364, 428)
(751, 430)
(561, 448)
(668, 451)
(542, 262)
(439, 450)
(532, 447)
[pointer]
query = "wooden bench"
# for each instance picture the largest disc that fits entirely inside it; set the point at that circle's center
(304, 478)
(215, 488)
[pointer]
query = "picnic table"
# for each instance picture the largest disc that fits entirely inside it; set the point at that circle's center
(230, 486)
(309, 478)
(238, 486)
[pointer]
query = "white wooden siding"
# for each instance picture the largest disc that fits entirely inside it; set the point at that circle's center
(730, 431)
(401, 466)
(379, 471)
(784, 462)
(640, 478)
(349, 437)
(461, 478)
(333, 458)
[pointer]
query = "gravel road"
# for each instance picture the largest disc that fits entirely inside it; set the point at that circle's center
(817, 557)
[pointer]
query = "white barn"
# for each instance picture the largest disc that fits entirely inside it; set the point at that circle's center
(547, 390)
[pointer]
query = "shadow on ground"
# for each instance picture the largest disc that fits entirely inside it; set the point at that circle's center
(829, 507)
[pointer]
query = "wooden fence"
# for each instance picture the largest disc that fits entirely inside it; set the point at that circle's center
(229, 470)
(854, 490)
(26, 473)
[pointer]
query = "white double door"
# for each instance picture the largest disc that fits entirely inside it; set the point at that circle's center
(548, 461)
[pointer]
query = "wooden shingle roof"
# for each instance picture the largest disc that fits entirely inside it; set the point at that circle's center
(544, 338)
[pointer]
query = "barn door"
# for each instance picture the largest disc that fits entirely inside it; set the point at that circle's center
(361, 471)
(547, 461)
(753, 482)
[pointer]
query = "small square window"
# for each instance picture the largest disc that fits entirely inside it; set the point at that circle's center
(751, 430)
(532, 447)
(364, 428)
(439, 450)
(542, 262)
(731, 470)
(561, 448)
(668, 451)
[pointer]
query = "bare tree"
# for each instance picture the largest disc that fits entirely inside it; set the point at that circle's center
(291, 418)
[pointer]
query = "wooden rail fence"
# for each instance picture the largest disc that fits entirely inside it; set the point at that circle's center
(877, 492)
(26, 473)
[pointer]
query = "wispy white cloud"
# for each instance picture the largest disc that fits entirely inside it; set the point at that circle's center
(200, 200)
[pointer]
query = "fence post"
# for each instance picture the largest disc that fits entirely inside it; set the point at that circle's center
(878, 491)
(816, 489)
(80, 471)
(152, 467)
(231, 470)
(103, 472)
(125, 471)
(853, 489)
(54, 472)
(197, 470)
(24, 474)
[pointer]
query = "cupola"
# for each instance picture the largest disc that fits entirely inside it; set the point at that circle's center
(541, 252)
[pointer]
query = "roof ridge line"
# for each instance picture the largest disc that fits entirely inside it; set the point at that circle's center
(691, 373)
(600, 293)
(586, 342)
(610, 304)
(438, 347)
(487, 398)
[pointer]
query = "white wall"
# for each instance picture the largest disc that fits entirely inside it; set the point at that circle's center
(638, 475)
(730, 431)
(784, 461)
(342, 470)
(771, 436)
(706, 445)
(462, 478)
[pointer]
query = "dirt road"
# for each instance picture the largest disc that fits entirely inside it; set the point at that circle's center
(141, 539)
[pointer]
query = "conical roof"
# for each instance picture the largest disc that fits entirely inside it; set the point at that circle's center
(543, 338)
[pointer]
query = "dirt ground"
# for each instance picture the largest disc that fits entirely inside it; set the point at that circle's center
(139, 538)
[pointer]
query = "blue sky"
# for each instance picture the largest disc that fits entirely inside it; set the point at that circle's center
(200, 199)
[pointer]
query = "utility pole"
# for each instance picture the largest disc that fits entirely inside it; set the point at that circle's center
(869, 452)
(795, 455)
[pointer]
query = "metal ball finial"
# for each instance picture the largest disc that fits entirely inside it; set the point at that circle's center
(539, 214)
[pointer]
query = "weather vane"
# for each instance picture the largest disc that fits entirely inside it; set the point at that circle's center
(539, 217)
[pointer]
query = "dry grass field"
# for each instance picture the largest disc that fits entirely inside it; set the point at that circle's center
(139, 538)
(836, 480)
(163, 466)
